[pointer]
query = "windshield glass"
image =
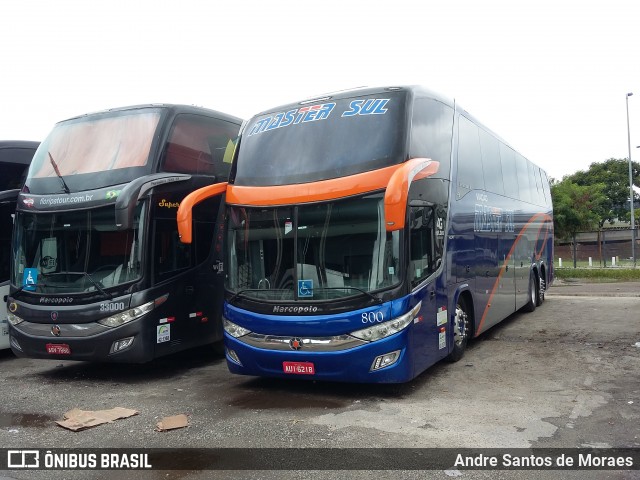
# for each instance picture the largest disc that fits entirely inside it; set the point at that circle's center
(311, 252)
(94, 151)
(74, 252)
(323, 140)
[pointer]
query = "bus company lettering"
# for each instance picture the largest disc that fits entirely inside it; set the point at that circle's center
(372, 106)
(56, 300)
(492, 219)
(294, 309)
(166, 204)
(311, 113)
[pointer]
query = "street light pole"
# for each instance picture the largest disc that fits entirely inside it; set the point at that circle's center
(633, 219)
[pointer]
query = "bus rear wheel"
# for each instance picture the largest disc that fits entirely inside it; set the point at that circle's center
(461, 331)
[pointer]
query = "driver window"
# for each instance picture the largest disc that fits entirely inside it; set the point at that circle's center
(424, 253)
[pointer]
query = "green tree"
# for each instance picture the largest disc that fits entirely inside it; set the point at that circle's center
(613, 175)
(576, 207)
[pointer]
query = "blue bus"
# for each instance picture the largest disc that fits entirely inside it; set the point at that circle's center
(15, 156)
(98, 272)
(371, 233)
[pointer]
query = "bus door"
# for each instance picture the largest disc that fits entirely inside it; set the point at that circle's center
(426, 241)
(184, 272)
(522, 270)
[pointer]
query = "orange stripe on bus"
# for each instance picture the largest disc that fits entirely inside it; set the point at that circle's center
(332, 189)
(546, 218)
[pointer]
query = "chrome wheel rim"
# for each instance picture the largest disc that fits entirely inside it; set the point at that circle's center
(460, 326)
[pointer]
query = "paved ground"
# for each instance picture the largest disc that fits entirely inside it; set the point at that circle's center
(565, 375)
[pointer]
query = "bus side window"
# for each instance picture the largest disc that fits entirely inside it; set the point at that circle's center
(470, 175)
(491, 165)
(198, 144)
(170, 255)
(424, 252)
(509, 173)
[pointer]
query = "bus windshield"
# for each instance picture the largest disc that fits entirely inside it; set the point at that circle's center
(94, 151)
(312, 252)
(320, 141)
(75, 252)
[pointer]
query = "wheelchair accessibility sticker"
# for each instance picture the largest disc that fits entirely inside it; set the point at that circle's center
(305, 288)
(30, 278)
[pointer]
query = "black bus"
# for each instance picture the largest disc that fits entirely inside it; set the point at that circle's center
(15, 156)
(98, 272)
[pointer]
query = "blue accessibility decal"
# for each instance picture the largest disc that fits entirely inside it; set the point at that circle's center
(305, 288)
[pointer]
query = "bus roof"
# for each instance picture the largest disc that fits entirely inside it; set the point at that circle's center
(17, 145)
(416, 90)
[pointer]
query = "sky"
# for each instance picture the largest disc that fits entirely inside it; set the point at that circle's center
(549, 77)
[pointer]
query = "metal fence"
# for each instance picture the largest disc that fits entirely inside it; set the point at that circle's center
(604, 248)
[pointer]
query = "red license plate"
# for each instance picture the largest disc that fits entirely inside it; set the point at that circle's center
(58, 349)
(298, 368)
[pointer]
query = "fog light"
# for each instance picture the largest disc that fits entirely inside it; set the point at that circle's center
(121, 344)
(385, 360)
(233, 356)
(15, 344)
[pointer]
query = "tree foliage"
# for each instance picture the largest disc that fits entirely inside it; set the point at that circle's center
(613, 176)
(576, 207)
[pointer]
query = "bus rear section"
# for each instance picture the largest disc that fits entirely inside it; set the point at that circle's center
(98, 272)
(15, 156)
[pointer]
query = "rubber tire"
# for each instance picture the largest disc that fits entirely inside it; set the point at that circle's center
(541, 290)
(458, 349)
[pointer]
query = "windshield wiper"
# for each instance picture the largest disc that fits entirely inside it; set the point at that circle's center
(55, 169)
(86, 275)
(364, 292)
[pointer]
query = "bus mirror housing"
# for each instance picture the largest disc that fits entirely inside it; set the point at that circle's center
(129, 196)
(395, 197)
(184, 216)
(9, 196)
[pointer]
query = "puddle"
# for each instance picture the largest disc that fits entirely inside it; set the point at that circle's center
(25, 420)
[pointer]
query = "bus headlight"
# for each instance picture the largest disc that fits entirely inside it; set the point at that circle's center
(14, 319)
(127, 316)
(388, 328)
(234, 330)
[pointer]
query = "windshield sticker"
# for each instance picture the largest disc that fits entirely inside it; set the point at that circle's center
(311, 113)
(305, 288)
(30, 278)
(164, 333)
(373, 106)
(288, 227)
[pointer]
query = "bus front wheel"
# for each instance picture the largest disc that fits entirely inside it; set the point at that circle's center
(461, 331)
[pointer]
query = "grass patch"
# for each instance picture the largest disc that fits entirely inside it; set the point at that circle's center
(599, 274)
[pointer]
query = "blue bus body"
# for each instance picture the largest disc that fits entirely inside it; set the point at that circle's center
(375, 270)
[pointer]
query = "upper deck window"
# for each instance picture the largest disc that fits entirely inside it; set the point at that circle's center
(116, 145)
(200, 145)
(324, 140)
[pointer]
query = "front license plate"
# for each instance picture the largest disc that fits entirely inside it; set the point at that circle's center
(58, 349)
(298, 368)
